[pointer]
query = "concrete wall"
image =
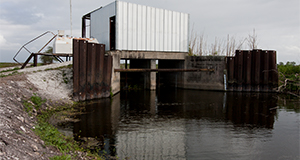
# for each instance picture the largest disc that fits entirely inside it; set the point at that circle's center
(115, 76)
(205, 80)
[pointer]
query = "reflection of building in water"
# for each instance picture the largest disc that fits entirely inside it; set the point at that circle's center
(179, 124)
(99, 121)
(152, 140)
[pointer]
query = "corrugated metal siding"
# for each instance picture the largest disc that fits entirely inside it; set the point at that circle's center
(150, 29)
(141, 27)
(100, 23)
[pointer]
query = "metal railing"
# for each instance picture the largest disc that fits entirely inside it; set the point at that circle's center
(32, 53)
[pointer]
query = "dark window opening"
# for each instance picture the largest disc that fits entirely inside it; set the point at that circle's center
(112, 33)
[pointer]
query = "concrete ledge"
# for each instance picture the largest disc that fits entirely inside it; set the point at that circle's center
(150, 55)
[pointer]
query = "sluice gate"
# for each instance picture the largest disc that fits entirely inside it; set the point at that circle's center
(97, 74)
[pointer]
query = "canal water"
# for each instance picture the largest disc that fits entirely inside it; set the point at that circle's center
(191, 124)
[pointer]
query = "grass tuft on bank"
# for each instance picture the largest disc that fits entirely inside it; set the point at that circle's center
(69, 148)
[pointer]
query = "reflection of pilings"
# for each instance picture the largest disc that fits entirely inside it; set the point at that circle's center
(153, 102)
(101, 118)
(253, 109)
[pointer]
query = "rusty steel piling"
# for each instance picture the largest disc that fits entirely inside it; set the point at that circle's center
(252, 70)
(91, 71)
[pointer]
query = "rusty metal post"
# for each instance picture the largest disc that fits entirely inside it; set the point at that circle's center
(273, 74)
(35, 60)
(76, 70)
(89, 71)
(93, 71)
(256, 70)
(239, 59)
(247, 70)
(265, 71)
(26, 62)
(82, 70)
(97, 71)
(102, 71)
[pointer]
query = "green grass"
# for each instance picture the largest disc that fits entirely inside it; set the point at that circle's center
(13, 73)
(50, 135)
(7, 64)
(8, 70)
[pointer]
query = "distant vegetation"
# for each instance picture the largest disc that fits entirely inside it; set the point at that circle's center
(47, 59)
(7, 64)
(289, 78)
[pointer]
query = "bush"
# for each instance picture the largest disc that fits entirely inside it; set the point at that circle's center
(289, 77)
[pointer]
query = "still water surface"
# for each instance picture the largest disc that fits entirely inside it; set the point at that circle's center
(190, 124)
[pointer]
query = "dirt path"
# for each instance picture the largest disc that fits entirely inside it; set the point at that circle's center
(17, 140)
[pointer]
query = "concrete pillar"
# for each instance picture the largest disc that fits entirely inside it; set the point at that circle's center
(152, 75)
(149, 78)
(115, 76)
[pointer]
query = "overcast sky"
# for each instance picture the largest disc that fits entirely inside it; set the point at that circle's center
(276, 22)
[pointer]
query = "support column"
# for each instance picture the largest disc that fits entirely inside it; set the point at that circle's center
(152, 75)
(115, 77)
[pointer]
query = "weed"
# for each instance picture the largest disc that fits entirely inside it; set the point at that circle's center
(38, 101)
(65, 78)
(111, 94)
(28, 107)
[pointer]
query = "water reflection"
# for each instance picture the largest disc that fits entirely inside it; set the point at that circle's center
(181, 124)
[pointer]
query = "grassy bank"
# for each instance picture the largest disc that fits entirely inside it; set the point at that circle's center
(69, 148)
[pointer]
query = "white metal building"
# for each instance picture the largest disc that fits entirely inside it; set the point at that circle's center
(132, 27)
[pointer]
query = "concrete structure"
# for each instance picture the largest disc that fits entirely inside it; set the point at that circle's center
(146, 35)
(142, 60)
(206, 80)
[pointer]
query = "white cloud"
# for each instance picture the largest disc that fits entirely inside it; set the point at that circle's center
(275, 21)
(39, 15)
(2, 40)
